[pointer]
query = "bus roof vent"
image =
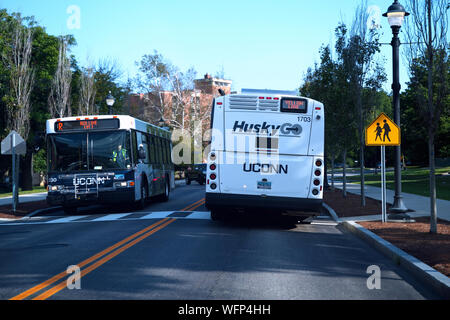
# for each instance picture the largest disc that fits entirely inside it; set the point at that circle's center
(243, 102)
(268, 105)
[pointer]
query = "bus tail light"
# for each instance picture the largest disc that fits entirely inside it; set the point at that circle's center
(213, 186)
(213, 176)
(213, 167)
(317, 172)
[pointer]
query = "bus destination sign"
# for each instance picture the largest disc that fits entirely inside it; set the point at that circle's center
(296, 105)
(88, 124)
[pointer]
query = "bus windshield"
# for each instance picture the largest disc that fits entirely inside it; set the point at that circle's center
(89, 151)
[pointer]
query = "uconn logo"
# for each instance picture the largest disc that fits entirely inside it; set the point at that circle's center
(265, 168)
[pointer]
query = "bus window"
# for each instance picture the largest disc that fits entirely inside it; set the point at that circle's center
(152, 148)
(167, 151)
(160, 151)
(146, 149)
(134, 147)
(164, 149)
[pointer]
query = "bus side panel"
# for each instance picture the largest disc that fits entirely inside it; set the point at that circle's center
(217, 134)
(316, 145)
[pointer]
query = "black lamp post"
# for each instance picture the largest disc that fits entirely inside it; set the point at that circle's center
(161, 122)
(110, 100)
(396, 15)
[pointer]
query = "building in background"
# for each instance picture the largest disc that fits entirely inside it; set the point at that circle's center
(178, 109)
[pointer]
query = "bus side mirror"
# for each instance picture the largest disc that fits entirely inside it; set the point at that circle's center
(141, 153)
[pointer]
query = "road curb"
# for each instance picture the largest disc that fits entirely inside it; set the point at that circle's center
(427, 275)
(36, 212)
(331, 212)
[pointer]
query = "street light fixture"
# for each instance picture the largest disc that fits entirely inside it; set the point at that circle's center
(396, 15)
(110, 100)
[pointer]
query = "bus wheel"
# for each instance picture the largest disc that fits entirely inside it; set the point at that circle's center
(70, 210)
(140, 204)
(165, 195)
(216, 215)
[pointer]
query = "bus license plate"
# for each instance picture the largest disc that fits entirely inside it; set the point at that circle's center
(264, 185)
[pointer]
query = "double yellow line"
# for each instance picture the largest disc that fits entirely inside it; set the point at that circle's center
(102, 257)
(194, 205)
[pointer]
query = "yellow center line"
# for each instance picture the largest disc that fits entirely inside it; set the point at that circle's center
(157, 226)
(61, 275)
(193, 205)
(94, 266)
(197, 205)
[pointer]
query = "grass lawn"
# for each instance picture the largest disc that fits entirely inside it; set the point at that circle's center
(415, 180)
(35, 190)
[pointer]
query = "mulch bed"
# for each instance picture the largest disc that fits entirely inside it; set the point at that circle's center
(414, 238)
(23, 209)
(351, 205)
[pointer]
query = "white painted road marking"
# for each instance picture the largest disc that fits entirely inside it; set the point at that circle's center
(202, 215)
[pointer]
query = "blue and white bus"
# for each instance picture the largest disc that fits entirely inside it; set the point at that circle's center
(267, 152)
(107, 159)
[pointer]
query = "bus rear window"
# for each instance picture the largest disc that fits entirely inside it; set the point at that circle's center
(295, 105)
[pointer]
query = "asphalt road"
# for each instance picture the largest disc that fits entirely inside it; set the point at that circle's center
(167, 252)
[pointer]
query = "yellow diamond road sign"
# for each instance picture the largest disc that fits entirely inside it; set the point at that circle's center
(383, 132)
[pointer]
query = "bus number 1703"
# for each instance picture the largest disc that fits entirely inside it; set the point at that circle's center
(304, 119)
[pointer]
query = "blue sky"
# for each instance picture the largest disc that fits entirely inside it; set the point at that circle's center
(258, 44)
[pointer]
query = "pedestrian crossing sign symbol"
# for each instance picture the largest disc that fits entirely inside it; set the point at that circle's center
(382, 132)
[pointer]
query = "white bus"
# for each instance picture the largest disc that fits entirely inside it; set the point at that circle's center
(267, 153)
(107, 159)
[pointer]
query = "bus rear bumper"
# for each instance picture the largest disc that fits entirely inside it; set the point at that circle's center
(111, 197)
(218, 201)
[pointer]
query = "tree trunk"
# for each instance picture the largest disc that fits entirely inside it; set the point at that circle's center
(332, 172)
(361, 147)
(344, 177)
(433, 208)
(26, 174)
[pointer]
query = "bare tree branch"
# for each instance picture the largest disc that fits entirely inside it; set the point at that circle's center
(22, 79)
(59, 98)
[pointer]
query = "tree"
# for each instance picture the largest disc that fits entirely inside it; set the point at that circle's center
(426, 30)
(170, 92)
(321, 84)
(87, 91)
(59, 98)
(21, 78)
(21, 74)
(358, 59)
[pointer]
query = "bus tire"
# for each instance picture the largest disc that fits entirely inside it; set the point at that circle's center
(70, 210)
(166, 194)
(140, 204)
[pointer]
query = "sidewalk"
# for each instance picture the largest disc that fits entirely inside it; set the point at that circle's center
(32, 197)
(420, 204)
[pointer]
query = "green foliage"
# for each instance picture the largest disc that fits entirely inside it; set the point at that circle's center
(40, 161)
(416, 117)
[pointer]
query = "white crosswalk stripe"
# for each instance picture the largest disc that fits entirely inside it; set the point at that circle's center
(202, 215)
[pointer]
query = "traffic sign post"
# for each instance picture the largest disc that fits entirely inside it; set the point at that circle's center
(383, 132)
(14, 145)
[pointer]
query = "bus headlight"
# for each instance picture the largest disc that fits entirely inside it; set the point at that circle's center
(55, 188)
